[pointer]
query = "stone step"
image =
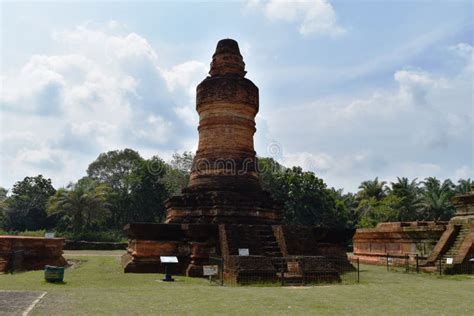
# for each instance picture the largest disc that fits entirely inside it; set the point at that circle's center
(271, 245)
(274, 246)
(273, 254)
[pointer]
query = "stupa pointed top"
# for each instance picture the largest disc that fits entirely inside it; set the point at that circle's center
(227, 59)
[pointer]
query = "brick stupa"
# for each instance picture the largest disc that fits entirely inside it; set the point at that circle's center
(224, 207)
(224, 186)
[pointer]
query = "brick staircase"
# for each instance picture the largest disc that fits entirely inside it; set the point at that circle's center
(462, 232)
(270, 247)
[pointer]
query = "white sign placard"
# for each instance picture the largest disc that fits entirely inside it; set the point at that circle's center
(210, 270)
(449, 260)
(168, 259)
(293, 267)
(49, 235)
(244, 252)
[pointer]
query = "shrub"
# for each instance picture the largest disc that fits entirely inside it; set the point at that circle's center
(103, 236)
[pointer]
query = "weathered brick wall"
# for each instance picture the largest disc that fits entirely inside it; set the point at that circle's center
(36, 252)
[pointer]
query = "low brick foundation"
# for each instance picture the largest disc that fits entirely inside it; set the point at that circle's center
(193, 244)
(397, 239)
(30, 253)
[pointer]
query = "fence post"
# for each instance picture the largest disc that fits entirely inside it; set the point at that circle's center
(303, 280)
(358, 271)
(407, 263)
(222, 271)
(282, 273)
(439, 264)
(417, 264)
(387, 263)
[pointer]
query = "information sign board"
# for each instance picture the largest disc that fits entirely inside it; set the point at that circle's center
(210, 270)
(244, 252)
(168, 259)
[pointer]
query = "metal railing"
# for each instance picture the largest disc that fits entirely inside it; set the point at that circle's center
(414, 263)
(284, 271)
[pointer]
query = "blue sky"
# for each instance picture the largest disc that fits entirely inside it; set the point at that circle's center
(348, 89)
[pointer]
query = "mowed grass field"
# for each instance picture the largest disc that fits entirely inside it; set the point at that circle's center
(97, 285)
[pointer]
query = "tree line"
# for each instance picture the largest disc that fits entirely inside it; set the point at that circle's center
(122, 187)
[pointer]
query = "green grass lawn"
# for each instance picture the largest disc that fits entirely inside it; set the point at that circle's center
(97, 285)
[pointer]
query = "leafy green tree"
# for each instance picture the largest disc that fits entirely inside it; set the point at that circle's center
(349, 203)
(114, 168)
(3, 194)
(410, 203)
(178, 171)
(183, 162)
(372, 189)
(84, 204)
(3, 207)
(464, 186)
(437, 199)
(27, 204)
(269, 170)
(306, 199)
(375, 211)
(148, 191)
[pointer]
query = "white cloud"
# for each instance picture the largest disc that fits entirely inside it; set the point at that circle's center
(104, 91)
(315, 17)
(464, 172)
(423, 127)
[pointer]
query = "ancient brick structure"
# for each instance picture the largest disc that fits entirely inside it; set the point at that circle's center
(432, 241)
(224, 186)
(30, 253)
(224, 207)
(371, 245)
(457, 242)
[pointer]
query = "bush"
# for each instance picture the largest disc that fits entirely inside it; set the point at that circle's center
(101, 236)
(28, 233)
(4, 232)
(33, 233)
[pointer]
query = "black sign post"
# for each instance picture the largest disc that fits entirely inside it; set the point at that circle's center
(167, 261)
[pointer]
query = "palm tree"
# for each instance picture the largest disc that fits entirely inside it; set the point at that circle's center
(437, 199)
(464, 186)
(85, 203)
(409, 195)
(372, 189)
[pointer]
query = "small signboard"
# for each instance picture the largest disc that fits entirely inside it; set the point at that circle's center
(210, 270)
(449, 260)
(244, 252)
(293, 267)
(168, 259)
(49, 235)
(390, 260)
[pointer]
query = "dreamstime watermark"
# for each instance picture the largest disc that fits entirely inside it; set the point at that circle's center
(226, 165)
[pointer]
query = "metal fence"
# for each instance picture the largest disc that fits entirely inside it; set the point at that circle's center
(284, 271)
(414, 263)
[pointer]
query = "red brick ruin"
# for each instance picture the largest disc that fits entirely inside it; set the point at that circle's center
(224, 207)
(433, 242)
(30, 253)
